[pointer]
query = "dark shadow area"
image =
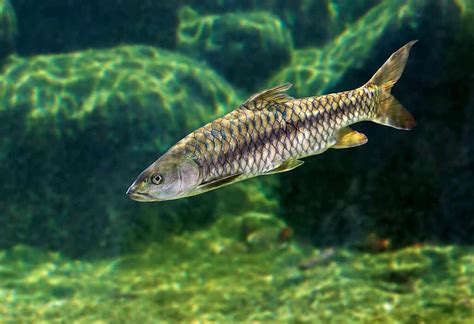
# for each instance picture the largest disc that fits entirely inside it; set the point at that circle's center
(56, 26)
(408, 187)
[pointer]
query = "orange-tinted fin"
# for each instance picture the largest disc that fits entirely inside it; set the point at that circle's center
(392, 69)
(391, 112)
(347, 137)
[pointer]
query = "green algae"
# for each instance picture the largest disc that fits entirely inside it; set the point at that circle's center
(74, 86)
(187, 279)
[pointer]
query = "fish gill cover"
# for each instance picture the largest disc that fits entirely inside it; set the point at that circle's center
(93, 90)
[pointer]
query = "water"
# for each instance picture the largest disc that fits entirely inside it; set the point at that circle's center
(92, 92)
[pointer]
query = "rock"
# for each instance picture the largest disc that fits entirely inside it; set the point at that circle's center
(311, 23)
(77, 129)
(8, 29)
(317, 70)
(245, 47)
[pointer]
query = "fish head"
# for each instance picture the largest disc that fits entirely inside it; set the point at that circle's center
(172, 176)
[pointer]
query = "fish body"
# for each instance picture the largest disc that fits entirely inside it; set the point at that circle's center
(270, 132)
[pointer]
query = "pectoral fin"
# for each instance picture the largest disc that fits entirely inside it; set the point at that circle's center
(288, 165)
(348, 137)
(214, 184)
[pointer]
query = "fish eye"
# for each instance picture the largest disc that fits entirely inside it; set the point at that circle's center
(156, 179)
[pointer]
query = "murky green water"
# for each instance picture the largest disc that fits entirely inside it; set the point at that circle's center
(94, 91)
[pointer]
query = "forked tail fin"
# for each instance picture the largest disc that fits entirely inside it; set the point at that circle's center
(391, 112)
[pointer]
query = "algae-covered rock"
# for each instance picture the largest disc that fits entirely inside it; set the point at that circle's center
(8, 28)
(311, 23)
(245, 47)
(183, 280)
(316, 70)
(77, 129)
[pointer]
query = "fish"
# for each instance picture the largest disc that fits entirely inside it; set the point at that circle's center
(270, 133)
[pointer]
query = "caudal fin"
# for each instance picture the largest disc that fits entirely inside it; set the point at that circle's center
(391, 112)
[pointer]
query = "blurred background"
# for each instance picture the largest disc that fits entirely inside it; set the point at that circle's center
(93, 91)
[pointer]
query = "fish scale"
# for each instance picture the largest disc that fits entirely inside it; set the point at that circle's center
(256, 141)
(270, 132)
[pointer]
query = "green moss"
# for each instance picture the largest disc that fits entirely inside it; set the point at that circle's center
(187, 279)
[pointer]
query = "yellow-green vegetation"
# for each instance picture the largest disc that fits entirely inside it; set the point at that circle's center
(199, 276)
(314, 70)
(245, 47)
(8, 28)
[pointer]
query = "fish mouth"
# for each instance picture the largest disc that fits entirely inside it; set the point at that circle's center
(138, 196)
(141, 196)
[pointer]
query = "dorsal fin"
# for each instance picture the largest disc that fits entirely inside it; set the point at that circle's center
(263, 98)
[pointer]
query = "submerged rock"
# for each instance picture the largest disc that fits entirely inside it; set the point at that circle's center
(311, 23)
(314, 70)
(77, 129)
(245, 47)
(8, 29)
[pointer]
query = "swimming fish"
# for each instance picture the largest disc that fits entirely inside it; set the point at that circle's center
(270, 133)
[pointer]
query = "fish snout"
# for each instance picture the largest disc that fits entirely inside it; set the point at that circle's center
(133, 192)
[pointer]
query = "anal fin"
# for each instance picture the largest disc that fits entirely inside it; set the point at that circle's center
(288, 165)
(347, 137)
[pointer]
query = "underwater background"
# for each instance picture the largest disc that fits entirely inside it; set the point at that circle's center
(94, 91)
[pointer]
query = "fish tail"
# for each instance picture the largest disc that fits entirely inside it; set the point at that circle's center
(390, 112)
